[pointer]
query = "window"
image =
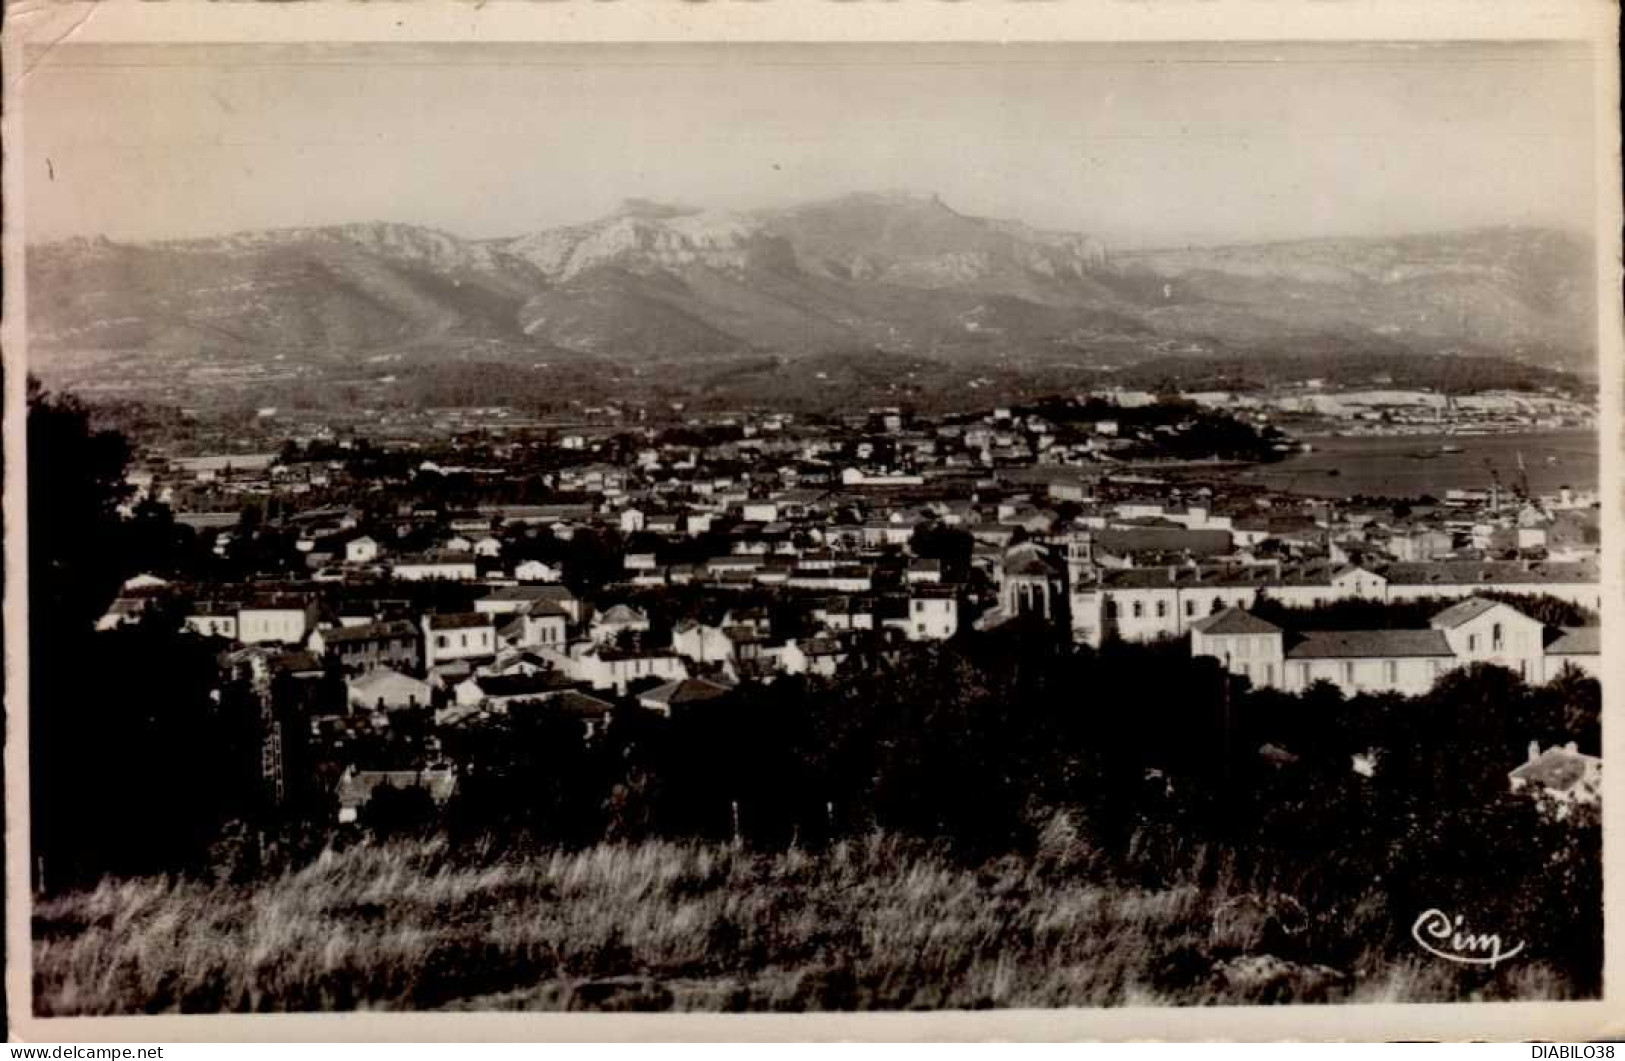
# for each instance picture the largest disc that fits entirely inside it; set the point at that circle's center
(441, 641)
(462, 640)
(1472, 642)
(1495, 637)
(1139, 609)
(1303, 674)
(1348, 673)
(1111, 608)
(1269, 674)
(1162, 609)
(1218, 606)
(1390, 672)
(1190, 608)
(919, 606)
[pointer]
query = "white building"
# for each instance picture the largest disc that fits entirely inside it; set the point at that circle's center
(538, 571)
(281, 622)
(363, 550)
(932, 616)
(457, 636)
(383, 688)
(432, 567)
(606, 667)
(1475, 630)
(616, 620)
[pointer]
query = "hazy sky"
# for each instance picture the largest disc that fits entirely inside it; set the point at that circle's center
(1154, 145)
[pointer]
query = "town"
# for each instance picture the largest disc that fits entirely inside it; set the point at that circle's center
(438, 582)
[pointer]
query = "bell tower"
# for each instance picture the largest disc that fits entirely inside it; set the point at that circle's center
(1086, 597)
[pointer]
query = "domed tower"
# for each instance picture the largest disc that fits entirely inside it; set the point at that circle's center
(1030, 582)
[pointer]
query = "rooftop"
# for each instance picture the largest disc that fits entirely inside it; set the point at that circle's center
(1235, 621)
(1576, 641)
(687, 691)
(1370, 644)
(458, 620)
(1461, 612)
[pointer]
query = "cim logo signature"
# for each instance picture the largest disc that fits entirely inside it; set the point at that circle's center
(1449, 938)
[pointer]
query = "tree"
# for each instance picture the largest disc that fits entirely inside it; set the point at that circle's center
(76, 476)
(126, 776)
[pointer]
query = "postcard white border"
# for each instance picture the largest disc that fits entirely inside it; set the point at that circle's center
(42, 26)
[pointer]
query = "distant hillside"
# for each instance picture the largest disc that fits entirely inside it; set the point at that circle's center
(1518, 292)
(897, 272)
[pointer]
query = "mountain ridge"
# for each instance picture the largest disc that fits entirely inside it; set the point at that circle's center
(898, 270)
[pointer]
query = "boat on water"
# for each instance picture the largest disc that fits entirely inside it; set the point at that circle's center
(1448, 448)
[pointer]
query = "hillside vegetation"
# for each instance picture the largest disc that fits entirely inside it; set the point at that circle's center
(875, 923)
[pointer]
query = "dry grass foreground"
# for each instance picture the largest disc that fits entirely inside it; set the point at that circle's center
(871, 924)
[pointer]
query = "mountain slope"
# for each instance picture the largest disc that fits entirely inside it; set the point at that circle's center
(896, 271)
(321, 291)
(1523, 292)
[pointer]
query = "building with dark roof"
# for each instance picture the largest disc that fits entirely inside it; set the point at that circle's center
(1146, 603)
(367, 645)
(1475, 630)
(1562, 773)
(684, 692)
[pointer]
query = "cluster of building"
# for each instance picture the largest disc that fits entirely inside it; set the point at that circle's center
(879, 530)
(1379, 410)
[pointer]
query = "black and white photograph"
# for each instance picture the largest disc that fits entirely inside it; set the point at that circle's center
(809, 527)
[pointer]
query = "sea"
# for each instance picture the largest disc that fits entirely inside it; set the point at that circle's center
(1415, 465)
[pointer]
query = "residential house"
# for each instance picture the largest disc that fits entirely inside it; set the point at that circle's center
(610, 624)
(434, 566)
(923, 571)
(593, 714)
(362, 550)
(496, 692)
(212, 619)
(363, 647)
(1561, 773)
(280, 618)
(701, 643)
(1486, 631)
(538, 571)
(682, 693)
(606, 667)
(544, 623)
(358, 788)
(384, 689)
(933, 614)
(457, 637)
(517, 600)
